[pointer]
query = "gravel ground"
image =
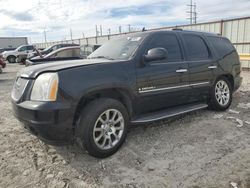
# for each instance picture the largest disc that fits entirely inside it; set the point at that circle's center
(197, 150)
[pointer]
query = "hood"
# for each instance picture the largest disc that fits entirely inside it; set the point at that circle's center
(9, 52)
(35, 70)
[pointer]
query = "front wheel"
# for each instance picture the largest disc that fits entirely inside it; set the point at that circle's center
(103, 127)
(221, 96)
(11, 59)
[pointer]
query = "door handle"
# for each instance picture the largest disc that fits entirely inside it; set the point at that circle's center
(181, 70)
(212, 67)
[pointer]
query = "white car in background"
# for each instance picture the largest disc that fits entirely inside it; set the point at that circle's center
(11, 56)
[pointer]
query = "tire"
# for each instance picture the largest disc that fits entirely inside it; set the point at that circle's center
(93, 125)
(221, 93)
(11, 59)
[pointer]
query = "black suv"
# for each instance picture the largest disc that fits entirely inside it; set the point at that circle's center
(137, 78)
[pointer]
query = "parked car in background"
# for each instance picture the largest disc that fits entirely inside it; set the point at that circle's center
(11, 56)
(68, 53)
(2, 64)
(87, 49)
(49, 50)
(138, 78)
(21, 58)
(6, 49)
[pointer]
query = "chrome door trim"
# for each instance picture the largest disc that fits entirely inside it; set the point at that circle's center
(173, 87)
(212, 67)
(181, 70)
(201, 83)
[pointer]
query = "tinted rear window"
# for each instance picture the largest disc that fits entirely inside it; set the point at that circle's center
(222, 46)
(196, 48)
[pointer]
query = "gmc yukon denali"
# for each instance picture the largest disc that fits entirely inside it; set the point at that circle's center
(137, 78)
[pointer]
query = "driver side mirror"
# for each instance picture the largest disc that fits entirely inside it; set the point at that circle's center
(156, 54)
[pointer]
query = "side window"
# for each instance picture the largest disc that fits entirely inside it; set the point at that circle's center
(65, 53)
(222, 46)
(30, 48)
(55, 47)
(170, 43)
(24, 48)
(196, 48)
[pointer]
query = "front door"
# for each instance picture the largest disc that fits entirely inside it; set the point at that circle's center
(162, 83)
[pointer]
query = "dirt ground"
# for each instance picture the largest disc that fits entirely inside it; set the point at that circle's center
(198, 150)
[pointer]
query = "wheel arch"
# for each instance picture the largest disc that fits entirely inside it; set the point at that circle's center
(120, 94)
(11, 56)
(229, 77)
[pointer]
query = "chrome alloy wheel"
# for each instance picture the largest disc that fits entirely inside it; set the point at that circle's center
(222, 93)
(108, 129)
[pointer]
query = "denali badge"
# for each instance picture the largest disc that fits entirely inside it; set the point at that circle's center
(146, 88)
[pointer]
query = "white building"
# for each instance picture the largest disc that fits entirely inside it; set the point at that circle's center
(12, 42)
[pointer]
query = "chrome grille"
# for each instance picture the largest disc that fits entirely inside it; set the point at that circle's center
(18, 88)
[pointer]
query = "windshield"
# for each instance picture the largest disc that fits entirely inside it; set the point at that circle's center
(48, 48)
(20, 48)
(120, 49)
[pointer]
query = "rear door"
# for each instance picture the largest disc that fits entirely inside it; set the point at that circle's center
(163, 83)
(200, 65)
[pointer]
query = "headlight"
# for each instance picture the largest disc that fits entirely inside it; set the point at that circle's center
(45, 87)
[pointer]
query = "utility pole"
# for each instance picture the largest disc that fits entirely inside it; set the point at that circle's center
(71, 36)
(129, 27)
(45, 36)
(101, 30)
(120, 29)
(195, 14)
(96, 31)
(192, 12)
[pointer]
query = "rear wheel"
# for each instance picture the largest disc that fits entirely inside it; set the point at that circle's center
(103, 127)
(221, 96)
(11, 59)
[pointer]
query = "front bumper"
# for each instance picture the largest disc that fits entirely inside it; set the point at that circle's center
(52, 122)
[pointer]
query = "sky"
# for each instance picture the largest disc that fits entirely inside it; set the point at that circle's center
(57, 17)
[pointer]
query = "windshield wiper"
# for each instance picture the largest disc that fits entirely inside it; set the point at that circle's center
(99, 57)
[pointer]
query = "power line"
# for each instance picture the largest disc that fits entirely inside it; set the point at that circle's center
(195, 14)
(192, 13)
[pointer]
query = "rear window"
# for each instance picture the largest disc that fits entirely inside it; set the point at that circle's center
(196, 48)
(222, 46)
